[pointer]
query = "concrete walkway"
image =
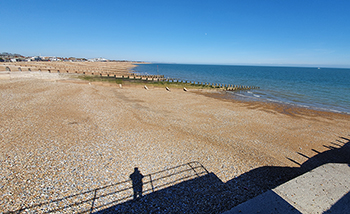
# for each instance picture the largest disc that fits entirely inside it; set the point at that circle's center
(325, 189)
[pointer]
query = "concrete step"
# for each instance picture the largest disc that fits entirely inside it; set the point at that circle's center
(326, 189)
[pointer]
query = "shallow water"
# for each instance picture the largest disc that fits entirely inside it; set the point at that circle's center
(318, 88)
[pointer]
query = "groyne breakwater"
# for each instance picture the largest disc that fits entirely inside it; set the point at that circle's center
(122, 74)
(161, 79)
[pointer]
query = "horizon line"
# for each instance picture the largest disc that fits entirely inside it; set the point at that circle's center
(258, 64)
(342, 66)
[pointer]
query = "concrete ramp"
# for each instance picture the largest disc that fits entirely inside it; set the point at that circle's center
(325, 189)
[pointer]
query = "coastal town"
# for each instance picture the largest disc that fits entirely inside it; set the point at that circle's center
(14, 57)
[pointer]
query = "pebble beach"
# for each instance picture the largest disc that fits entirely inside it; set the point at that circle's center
(61, 136)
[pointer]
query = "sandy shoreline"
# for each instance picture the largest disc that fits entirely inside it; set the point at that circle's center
(59, 138)
(270, 106)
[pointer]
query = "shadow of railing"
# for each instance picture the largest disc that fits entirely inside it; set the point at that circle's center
(190, 188)
(197, 195)
(262, 179)
(110, 195)
(338, 154)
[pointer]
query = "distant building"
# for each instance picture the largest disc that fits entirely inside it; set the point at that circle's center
(8, 57)
(37, 58)
(98, 60)
(54, 59)
(81, 60)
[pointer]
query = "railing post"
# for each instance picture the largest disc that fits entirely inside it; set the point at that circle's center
(150, 178)
(193, 169)
(93, 201)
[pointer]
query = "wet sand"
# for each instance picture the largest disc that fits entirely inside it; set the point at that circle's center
(61, 136)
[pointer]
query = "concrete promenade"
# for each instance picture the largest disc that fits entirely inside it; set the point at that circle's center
(325, 189)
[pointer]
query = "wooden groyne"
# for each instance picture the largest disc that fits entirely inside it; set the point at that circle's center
(129, 77)
(160, 78)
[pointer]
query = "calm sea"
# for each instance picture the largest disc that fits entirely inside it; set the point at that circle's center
(318, 88)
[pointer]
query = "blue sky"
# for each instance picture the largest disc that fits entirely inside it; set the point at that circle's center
(261, 32)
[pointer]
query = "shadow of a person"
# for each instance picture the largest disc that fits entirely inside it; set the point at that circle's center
(136, 178)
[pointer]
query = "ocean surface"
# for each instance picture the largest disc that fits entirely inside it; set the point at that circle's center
(326, 89)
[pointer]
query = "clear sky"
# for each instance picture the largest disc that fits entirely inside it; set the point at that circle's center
(259, 32)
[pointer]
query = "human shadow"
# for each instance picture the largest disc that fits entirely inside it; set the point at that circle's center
(190, 188)
(136, 178)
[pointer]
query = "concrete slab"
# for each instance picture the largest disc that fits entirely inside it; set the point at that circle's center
(325, 189)
(268, 202)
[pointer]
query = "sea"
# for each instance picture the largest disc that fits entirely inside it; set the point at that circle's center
(326, 89)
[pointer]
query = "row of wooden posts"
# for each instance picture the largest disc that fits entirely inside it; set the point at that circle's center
(157, 78)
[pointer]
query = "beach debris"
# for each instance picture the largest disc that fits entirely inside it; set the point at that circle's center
(120, 85)
(168, 89)
(185, 89)
(145, 87)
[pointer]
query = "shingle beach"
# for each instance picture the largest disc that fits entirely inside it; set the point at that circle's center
(61, 136)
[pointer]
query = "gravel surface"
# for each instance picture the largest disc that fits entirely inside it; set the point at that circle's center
(62, 138)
